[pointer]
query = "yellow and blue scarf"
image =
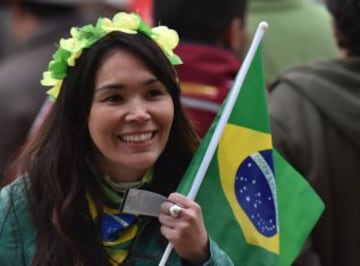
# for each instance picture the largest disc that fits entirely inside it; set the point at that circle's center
(118, 230)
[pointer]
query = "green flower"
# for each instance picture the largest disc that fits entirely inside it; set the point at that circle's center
(58, 66)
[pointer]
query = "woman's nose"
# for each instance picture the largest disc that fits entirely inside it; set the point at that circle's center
(137, 111)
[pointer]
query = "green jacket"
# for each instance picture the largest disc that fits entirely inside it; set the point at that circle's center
(18, 236)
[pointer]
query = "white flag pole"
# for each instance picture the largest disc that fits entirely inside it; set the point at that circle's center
(233, 95)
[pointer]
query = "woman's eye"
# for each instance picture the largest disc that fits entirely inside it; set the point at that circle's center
(157, 92)
(113, 98)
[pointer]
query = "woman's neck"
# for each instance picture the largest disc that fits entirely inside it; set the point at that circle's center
(123, 186)
(117, 173)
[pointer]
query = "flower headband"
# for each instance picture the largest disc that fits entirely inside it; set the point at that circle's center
(70, 49)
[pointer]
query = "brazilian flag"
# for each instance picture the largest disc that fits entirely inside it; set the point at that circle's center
(256, 207)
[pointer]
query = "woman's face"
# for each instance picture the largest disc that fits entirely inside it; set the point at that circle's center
(130, 117)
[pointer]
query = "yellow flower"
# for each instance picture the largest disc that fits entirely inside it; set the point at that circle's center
(71, 60)
(165, 37)
(74, 31)
(72, 45)
(128, 23)
(48, 80)
(55, 91)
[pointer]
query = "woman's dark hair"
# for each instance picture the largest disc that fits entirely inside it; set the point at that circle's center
(57, 162)
(347, 22)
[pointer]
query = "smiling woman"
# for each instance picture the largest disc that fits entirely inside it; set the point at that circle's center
(130, 118)
(116, 123)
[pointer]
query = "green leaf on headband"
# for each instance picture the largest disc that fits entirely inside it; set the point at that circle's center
(58, 66)
(144, 28)
(91, 34)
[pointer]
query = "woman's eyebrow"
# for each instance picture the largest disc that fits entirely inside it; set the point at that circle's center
(118, 86)
(151, 81)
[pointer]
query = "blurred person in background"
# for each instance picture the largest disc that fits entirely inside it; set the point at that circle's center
(299, 32)
(4, 20)
(212, 41)
(35, 27)
(314, 112)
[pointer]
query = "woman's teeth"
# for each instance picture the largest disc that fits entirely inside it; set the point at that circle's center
(136, 137)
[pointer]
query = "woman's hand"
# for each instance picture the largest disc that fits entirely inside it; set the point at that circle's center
(186, 230)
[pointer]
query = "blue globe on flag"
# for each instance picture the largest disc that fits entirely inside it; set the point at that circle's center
(254, 193)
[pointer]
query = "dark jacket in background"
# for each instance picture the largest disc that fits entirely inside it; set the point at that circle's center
(315, 117)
